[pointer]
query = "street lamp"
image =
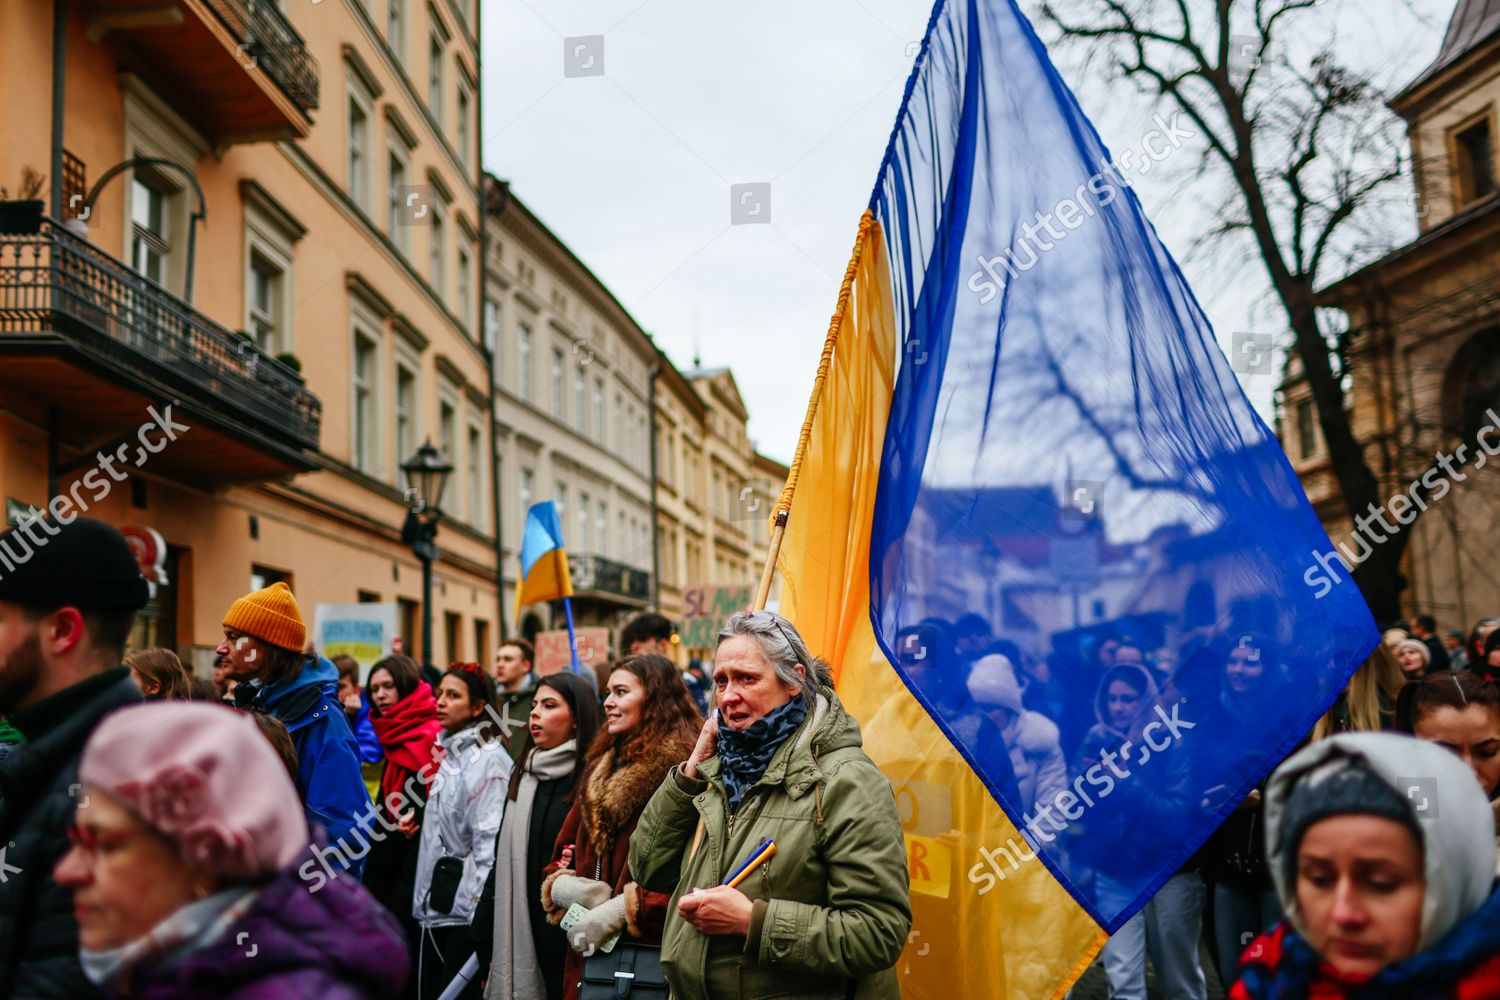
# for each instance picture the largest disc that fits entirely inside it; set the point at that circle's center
(426, 476)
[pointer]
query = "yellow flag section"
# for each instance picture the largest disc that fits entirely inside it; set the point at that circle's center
(989, 920)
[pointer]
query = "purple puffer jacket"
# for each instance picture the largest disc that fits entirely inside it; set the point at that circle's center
(334, 944)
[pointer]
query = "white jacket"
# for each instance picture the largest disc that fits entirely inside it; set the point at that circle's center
(464, 804)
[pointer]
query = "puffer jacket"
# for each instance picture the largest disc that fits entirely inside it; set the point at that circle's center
(329, 780)
(465, 803)
(335, 943)
(38, 796)
(831, 908)
(1036, 757)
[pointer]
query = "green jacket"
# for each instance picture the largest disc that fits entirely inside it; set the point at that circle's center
(831, 907)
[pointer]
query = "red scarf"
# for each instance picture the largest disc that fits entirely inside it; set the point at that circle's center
(407, 731)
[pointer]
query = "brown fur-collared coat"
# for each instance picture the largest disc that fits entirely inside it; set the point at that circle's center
(599, 827)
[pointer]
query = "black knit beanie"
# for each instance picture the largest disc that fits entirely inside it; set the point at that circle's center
(84, 564)
(1341, 787)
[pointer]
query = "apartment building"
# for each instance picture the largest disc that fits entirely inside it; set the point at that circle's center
(573, 376)
(265, 216)
(1423, 337)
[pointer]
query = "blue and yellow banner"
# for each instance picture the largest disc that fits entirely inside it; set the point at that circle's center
(1066, 595)
(544, 558)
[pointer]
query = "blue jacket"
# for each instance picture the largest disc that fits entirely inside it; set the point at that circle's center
(364, 733)
(328, 776)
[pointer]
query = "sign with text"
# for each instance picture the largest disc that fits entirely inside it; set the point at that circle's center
(705, 609)
(363, 631)
(552, 649)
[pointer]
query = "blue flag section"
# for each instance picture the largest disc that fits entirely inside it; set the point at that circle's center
(1089, 554)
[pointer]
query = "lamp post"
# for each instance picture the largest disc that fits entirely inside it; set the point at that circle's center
(426, 476)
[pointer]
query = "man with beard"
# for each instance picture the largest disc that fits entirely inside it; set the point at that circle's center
(65, 613)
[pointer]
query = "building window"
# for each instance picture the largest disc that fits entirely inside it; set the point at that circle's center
(406, 412)
(395, 28)
(1307, 429)
(435, 78)
(465, 280)
(447, 431)
(482, 647)
(363, 419)
(527, 493)
(395, 199)
(557, 384)
(492, 330)
(267, 296)
(475, 456)
(148, 241)
(562, 506)
(580, 401)
(599, 409)
(461, 127)
(1476, 162)
(523, 361)
(437, 249)
(601, 530)
(358, 155)
(584, 515)
(453, 630)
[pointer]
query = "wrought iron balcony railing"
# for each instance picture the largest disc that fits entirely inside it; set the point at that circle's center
(596, 573)
(267, 37)
(54, 281)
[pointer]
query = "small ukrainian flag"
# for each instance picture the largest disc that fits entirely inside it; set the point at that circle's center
(544, 558)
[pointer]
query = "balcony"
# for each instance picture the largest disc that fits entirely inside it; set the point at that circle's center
(598, 577)
(236, 69)
(93, 342)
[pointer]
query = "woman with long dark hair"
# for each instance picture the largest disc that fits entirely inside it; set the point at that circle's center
(528, 954)
(404, 716)
(465, 804)
(650, 725)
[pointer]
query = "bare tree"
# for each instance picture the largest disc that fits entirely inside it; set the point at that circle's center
(1309, 150)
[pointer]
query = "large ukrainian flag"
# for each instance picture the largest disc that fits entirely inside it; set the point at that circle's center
(1023, 430)
(544, 558)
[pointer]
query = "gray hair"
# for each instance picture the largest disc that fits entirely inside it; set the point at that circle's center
(782, 646)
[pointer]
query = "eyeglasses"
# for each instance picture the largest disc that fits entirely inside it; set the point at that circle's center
(90, 842)
(759, 616)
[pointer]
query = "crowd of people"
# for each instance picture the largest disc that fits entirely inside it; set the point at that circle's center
(285, 830)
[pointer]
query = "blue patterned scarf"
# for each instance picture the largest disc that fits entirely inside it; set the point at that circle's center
(744, 755)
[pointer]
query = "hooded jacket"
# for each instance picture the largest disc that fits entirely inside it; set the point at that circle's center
(1158, 805)
(1458, 952)
(1031, 738)
(465, 802)
(329, 780)
(831, 908)
(335, 943)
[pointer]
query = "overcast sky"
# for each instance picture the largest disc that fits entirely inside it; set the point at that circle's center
(632, 167)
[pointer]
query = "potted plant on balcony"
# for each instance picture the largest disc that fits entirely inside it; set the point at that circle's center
(22, 215)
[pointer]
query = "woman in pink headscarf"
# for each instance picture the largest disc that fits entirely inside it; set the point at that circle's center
(193, 874)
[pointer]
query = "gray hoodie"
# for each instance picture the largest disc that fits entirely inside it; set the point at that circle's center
(1458, 826)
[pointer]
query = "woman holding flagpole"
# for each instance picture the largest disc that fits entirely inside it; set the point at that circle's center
(778, 837)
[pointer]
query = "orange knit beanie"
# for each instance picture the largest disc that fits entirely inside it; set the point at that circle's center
(271, 615)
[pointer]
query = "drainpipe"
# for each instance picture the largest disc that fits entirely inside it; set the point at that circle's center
(59, 86)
